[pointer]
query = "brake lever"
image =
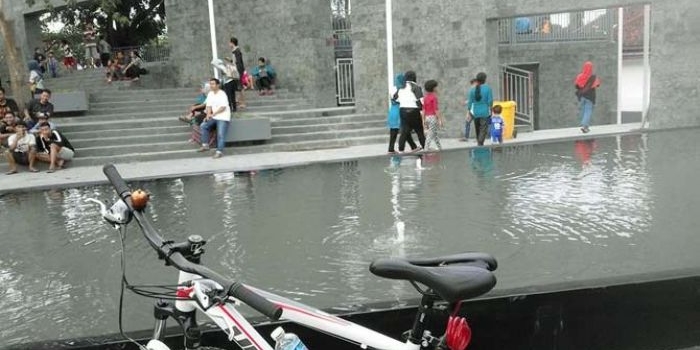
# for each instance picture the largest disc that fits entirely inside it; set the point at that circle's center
(117, 215)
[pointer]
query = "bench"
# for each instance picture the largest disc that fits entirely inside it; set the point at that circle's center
(240, 130)
(249, 129)
(69, 102)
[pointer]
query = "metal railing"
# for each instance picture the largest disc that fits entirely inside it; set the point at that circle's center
(517, 85)
(342, 33)
(569, 26)
(345, 88)
(148, 53)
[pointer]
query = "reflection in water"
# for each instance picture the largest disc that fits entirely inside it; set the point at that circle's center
(610, 196)
(482, 161)
(549, 213)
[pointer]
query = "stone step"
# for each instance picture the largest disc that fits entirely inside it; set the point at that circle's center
(147, 122)
(122, 129)
(307, 113)
(190, 150)
(130, 117)
(148, 112)
(285, 130)
(154, 95)
(187, 90)
(317, 120)
(180, 101)
(120, 149)
(327, 135)
(125, 139)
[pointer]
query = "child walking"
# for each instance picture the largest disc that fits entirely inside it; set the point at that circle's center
(393, 119)
(432, 118)
(497, 125)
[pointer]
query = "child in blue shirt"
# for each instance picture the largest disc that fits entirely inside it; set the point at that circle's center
(497, 125)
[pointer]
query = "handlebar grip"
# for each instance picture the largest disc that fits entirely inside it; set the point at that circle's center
(256, 301)
(117, 181)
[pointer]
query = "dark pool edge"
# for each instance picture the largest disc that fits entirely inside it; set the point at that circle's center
(640, 281)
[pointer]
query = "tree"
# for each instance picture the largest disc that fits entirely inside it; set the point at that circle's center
(15, 63)
(121, 22)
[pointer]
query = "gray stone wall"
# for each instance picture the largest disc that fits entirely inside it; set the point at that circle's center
(292, 34)
(559, 63)
(449, 45)
(460, 40)
(190, 48)
(369, 56)
(674, 30)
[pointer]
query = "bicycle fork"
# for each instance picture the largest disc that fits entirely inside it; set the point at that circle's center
(183, 312)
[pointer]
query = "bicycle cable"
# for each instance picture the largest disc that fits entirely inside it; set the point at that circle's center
(124, 284)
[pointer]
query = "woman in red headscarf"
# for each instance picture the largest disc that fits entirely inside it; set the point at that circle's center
(586, 83)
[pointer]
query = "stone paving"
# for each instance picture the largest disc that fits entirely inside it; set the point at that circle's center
(90, 175)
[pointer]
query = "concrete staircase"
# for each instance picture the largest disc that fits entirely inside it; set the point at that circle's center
(129, 123)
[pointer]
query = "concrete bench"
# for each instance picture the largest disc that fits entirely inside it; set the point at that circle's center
(249, 129)
(69, 102)
(240, 130)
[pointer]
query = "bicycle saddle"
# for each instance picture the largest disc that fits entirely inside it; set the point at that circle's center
(453, 277)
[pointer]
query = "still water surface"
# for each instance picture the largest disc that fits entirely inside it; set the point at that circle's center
(552, 213)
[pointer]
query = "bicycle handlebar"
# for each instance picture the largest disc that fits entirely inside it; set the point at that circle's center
(234, 289)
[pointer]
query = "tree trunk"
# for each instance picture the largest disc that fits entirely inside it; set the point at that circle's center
(15, 63)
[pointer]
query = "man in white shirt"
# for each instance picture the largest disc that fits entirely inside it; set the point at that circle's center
(218, 116)
(22, 149)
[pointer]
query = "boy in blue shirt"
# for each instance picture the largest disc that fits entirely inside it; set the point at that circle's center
(497, 125)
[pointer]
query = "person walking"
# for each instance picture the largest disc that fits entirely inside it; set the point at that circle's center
(393, 119)
(470, 116)
(479, 104)
(431, 115)
(410, 106)
(586, 83)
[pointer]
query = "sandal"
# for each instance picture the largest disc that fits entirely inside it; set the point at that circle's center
(11, 172)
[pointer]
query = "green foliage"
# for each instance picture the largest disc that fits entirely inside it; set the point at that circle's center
(121, 22)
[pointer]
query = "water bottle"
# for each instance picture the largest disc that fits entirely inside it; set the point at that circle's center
(286, 341)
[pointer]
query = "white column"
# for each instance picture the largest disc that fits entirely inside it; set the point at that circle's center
(620, 38)
(389, 46)
(212, 31)
(647, 69)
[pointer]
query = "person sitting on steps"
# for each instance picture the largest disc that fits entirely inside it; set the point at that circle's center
(22, 150)
(264, 74)
(198, 107)
(53, 148)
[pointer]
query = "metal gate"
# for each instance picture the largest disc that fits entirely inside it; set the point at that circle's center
(345, 89)
(518, 85)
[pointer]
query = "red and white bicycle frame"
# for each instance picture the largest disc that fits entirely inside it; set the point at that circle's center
(239, 330)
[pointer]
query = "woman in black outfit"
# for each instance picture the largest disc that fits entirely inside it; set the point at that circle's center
(410, 106)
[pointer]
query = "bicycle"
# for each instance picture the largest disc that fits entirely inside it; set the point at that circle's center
(443, 282)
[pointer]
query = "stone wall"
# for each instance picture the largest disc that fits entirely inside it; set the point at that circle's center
(449, 45)
(674, 30)
(291, 34)
(558, 65)
(461, 40)
(190, 48)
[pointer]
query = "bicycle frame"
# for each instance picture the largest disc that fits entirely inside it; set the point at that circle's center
(239, 330)
(214, 296)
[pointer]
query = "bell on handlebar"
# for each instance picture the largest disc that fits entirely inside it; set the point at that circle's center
(139, 199)
(118, 214)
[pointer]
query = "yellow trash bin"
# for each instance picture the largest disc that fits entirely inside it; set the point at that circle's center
(508, 114)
